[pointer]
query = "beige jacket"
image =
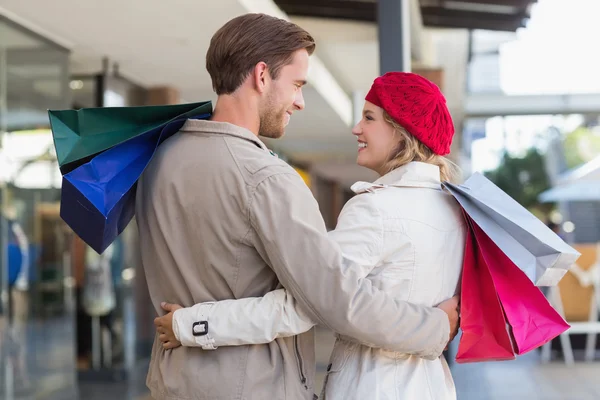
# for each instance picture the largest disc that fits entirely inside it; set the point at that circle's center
(220, 218)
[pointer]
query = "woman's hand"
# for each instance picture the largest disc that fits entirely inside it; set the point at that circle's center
(164, 326)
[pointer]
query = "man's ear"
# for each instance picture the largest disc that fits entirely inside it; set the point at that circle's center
(261, 76)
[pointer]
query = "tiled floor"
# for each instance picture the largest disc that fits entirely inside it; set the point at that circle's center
(527, 379)
(38, 359)
(132, 389)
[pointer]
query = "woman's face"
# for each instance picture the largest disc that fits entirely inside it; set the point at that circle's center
(376, 139)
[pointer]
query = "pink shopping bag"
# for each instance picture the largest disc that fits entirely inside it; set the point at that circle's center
(485, 336)
(533, 320)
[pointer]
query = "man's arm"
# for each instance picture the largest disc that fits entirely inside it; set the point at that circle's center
(333, 290)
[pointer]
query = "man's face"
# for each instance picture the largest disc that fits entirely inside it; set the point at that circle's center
(284, 96)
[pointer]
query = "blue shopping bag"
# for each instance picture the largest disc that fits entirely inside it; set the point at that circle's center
(98, 197)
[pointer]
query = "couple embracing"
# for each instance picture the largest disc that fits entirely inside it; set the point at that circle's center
(239, 263)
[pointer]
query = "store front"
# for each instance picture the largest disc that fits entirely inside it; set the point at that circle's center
(36, 283)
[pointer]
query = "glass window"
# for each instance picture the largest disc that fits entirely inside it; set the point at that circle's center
(36, 284)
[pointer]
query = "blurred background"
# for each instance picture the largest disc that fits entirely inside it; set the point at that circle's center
(521, 80)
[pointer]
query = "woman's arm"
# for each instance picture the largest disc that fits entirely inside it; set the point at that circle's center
(252, 320)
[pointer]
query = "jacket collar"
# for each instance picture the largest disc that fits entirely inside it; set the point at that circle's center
(202, 125)
(413, 174)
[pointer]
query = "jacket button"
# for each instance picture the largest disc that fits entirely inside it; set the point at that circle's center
(329, 367)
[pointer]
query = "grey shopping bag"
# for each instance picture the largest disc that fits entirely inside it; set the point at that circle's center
(526, 240)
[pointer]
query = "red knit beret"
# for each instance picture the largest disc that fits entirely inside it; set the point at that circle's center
(417, 105)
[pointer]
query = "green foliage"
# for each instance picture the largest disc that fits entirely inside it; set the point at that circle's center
(523, 179)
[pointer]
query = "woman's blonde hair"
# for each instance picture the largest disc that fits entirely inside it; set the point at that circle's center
(412, 149)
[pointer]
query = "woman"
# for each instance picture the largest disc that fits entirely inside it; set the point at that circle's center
(404, 133)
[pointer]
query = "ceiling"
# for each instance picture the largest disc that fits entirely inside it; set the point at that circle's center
(498, 15)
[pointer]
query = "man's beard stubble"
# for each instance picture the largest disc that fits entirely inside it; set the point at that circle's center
(271, 121)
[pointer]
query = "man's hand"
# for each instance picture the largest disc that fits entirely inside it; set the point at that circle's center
(164, 326)
(452, 308)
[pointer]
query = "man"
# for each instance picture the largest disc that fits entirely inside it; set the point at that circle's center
(221, 218)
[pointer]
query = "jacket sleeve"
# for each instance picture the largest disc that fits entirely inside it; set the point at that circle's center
(253, 320)
(331, 288)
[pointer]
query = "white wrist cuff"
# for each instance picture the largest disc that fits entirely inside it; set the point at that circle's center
(191, 326)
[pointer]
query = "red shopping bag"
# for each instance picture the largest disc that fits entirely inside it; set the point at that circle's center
(485, 336)
(533, 320)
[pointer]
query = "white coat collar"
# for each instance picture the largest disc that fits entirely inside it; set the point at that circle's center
(413, 174)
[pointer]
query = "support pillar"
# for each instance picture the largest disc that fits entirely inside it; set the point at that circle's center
(393, 18)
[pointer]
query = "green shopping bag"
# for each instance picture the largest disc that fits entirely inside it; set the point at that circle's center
(79, 135)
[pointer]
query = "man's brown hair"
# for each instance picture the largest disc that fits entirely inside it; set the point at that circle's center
(243, 42)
